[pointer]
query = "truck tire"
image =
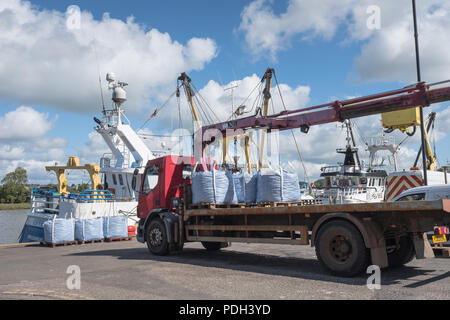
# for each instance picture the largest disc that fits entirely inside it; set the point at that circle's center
(402, 255)
(212, 246)
(156, 237)
(341, 249)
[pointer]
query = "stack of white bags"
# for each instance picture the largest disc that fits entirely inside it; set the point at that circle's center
(268, 185)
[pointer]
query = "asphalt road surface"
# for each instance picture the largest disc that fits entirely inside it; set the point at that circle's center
(125, 270)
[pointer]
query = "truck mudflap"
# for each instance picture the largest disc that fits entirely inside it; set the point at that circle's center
(422, 246)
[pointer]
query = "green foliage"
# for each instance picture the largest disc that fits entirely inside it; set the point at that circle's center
(320, 183)
(14, 187)
(80, 188)
(17, 177)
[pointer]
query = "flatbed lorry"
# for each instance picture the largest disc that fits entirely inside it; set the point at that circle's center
(347, 237)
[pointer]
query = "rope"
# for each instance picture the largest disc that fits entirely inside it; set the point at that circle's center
(204, 100)
(254, 102)
(292, 132)
(157, 110)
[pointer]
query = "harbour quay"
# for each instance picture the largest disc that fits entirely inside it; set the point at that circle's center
(125, 270)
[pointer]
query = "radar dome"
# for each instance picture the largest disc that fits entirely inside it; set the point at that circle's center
(119, 95)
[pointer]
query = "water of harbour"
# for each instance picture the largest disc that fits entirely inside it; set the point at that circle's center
(11, 224)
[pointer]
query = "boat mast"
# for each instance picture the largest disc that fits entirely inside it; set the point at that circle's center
(268, 78)
(349, 130)
(114, 131)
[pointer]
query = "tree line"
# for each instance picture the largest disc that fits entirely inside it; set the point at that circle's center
(14, 187)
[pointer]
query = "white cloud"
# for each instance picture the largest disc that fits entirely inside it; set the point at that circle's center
(35, 170)
(48, 142)
(23, 138)
(386, 53)
(264, 30)
(24, 123)
(199, 51)
(43, 62)
(389, 54)
(8, 152)
(442, 123)
(93, 149)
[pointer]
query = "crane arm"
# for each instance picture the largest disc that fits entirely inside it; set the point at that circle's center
(268, 78)
(432, 161)
(335, 111)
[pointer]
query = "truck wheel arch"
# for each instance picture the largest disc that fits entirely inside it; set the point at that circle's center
(371, 233)
(165, 216)
(342, 216)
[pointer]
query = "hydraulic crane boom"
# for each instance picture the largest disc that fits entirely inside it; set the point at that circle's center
(335, 111)
(431, 158)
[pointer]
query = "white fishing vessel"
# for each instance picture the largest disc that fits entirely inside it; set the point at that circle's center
(111, 191)
(352, 182)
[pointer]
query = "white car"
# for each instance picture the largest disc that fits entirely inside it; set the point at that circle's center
(425, 193)
(430, 193)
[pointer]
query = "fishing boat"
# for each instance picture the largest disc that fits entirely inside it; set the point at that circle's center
(111, 192)
(350, 181)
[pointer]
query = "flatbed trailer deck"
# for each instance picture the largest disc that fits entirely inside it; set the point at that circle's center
(347, 237)
(303, 221)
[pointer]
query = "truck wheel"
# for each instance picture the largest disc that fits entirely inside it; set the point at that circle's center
(157, 238)
(341, 249)
(212, 246)
(398, 257)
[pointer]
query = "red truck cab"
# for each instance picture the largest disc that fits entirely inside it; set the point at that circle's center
(162, 181)
(160, 191)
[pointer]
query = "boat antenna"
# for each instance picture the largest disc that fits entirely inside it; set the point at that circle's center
(99, 77)
(101, 93)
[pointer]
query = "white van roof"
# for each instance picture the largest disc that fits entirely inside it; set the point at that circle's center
(424, 189)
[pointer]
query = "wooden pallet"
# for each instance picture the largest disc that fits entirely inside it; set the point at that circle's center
(250, 205)
(59, 244)
(88, 241)
(118, 239)
(217, 205)
(281, 204)
(442, 252)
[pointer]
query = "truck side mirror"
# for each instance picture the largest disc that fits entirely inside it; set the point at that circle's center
(134, 180)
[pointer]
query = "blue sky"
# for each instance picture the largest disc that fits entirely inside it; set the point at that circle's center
(323, 50)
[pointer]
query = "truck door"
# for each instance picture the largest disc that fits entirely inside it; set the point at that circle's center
(150, 197)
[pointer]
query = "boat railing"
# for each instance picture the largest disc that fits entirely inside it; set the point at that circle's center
(44, 191)
(45, 200)
(353, 191)
(341, 169)
(349, 191)
(90, 196)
